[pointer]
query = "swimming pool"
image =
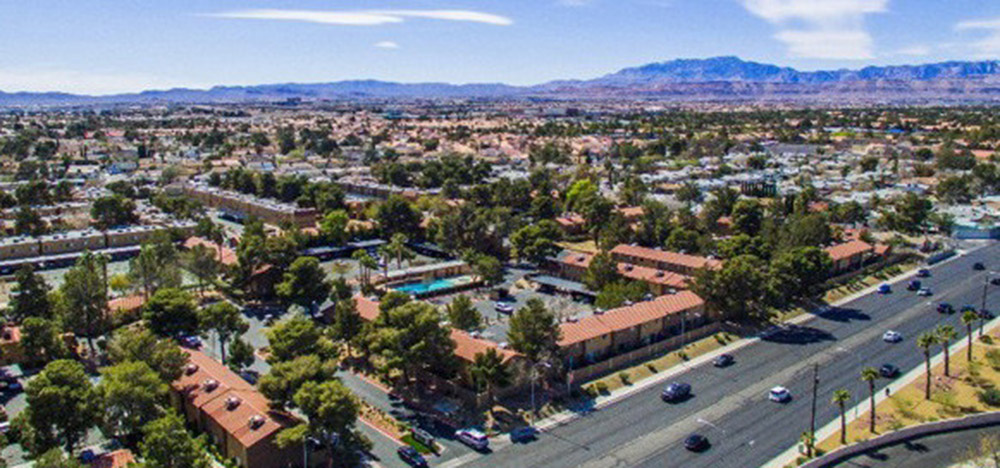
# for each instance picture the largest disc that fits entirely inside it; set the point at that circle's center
(438, 285)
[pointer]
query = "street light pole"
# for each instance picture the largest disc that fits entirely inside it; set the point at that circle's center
(812, 418)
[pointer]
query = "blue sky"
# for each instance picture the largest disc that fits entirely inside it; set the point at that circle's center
(108, 46)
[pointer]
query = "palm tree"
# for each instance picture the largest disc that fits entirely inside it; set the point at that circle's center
(870, 375)
(339, 268)
(969, 319)
(925, 342)
(946, 333)
(397, 246)
(385, 252)
(488, 371)
(840, 398)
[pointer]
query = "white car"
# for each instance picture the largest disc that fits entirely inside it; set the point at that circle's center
(892, 337)
(473, 438)
(779, 394)
(924, 292)
(503, 308)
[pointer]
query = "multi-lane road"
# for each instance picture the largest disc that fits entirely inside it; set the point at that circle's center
(730, 405)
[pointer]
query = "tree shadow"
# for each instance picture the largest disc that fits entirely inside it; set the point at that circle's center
(841, 314)
(797, 334)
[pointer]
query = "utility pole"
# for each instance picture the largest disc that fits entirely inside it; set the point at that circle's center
(812, 418)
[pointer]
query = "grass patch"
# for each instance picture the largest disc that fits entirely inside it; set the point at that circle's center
(587, 246)
(863, 281)
(416, 444)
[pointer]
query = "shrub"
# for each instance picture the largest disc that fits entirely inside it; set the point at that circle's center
(993, 358)
(651, 368)
(720, 338)
(624, 377)
(683, 355)
(601, 387)
(990, 397)
(986, 339)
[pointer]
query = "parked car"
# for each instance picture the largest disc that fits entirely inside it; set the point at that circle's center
(676, 391)
(884, 288)
(945, 308)
(696, 443)
(995, 281)
(914, 285)
(411, 456)
(888, 371)
(504, 308)
(723, 360)
(925, 292)
(523, 434)
(88, 456)
(473, 438)
(779, 394)
(191, 341)
(978, 266)
(923, 273)
(892, 337)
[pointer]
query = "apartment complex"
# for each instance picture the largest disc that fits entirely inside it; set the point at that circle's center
(573, 265)
(236, 417)
(662, 260)
(245, 206)
(20, 247)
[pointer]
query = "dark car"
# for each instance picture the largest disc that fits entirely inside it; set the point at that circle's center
(696, 443)
(923, 273)
(888, 371)
(676, 391)
(986, 314)
(995, 281)
(945, 308)
(523, 434)
(411, 456)
(723, 360)
(914, 285)
(978, 266)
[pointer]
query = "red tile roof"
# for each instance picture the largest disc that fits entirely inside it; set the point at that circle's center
(126, 303)
(627, 317)
(630, 271)
(367, 307)
(117, 459)
(673, 258)
(849, 249)
(212, 387)
(467, 346)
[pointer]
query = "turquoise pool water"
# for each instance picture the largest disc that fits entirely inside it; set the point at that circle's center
(427, 287)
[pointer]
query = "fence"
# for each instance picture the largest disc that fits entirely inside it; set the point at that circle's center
(903, 435)
(614, 363)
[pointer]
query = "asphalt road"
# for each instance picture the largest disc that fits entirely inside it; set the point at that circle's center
(730, 405)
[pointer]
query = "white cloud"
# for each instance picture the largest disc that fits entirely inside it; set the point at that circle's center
(914, 51)
(366, 17)
(39, 79)
(824, 29)
(988, 46)
(387, 45)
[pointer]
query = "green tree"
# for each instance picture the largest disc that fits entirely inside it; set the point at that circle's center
(602, 271)
(488, 269)
(616, 294)
(281, 383)
(225, 320)
(166, 443)
(333, 227)
(969, 318)
(304, 284)
(396, 215)
(945, 334)
(241, 355)
(138, 344)
(489, 372)
(536, 242)
(171, 312)
(62, 405)
(410, 338)
(31, 298)
(132, 394)
(840, 398)
(799, 272)
(534, 331)
(155, 267)
(870, 375)
(738, 290)
(398, 249)
(331, 409)
(295, 336)
(201, 262)
(346, 324)
(41, 341)
(85, 293)
(688, 193)
(747, 216)
(925, 342)
(28, 222)
(111, 211)
(463, 314)
(55, 458)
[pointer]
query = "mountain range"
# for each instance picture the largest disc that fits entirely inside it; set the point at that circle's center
(719, 79)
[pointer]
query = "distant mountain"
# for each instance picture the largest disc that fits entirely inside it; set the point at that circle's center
(718, 79)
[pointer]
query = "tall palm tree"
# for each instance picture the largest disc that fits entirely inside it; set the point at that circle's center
(946, 333)
(925, 342)
(870, 375)
(385, 252)
(969, 319)
(489, 372)
(397, 246)
(840, 398)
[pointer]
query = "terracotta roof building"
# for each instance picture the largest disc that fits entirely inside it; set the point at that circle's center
(573, 265)
(237, 418)
(662, 260)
